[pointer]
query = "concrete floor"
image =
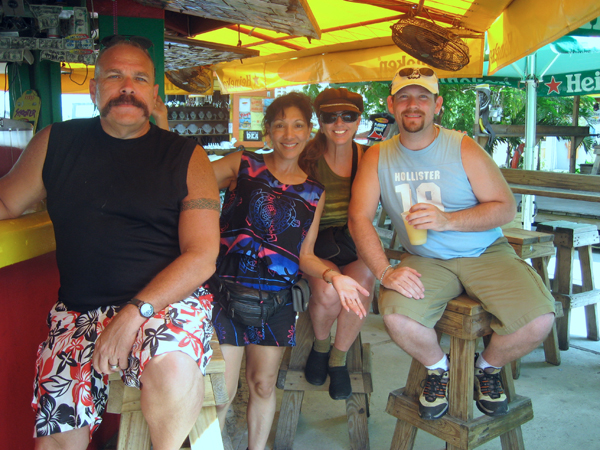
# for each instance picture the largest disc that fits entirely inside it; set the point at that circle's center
(564, 397)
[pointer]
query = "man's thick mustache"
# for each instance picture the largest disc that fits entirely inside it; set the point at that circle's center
(125, 99)
(416, 111)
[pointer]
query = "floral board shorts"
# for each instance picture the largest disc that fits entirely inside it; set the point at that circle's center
(70, 394)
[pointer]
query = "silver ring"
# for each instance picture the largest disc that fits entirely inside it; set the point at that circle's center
(115, 367)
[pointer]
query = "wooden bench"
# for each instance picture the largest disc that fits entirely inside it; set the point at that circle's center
(206, 433)
(551, 184)
(293, 382)
(464, 320)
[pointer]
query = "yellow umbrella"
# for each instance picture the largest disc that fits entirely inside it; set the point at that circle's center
(355, 39)
(352, 39)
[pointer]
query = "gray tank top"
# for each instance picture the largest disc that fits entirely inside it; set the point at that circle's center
(432, 175)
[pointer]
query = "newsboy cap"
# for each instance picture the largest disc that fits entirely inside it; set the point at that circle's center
(332, 100)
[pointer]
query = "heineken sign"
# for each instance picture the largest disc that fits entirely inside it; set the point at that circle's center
(566, 84)
(580, 83)
(499, 81)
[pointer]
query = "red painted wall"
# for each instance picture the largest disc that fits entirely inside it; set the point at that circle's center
(27, 292)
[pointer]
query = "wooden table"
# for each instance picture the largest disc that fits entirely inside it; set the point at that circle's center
(552, 184)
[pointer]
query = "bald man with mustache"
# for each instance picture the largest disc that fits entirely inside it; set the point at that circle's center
(135, 211)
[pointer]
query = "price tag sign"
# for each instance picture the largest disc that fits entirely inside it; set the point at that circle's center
(27, 108)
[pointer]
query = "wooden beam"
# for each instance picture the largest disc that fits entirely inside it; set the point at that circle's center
(246, 52)
(189, 25)
(265, 38)
(405, 7)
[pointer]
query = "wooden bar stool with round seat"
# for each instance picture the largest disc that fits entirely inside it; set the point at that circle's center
(464, 320)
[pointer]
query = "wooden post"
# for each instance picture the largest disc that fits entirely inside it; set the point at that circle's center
(574, 141)
(596, 166)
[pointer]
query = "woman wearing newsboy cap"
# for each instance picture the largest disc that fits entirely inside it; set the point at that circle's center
(332, 157)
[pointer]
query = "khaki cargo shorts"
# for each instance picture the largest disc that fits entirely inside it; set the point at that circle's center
(506, 286)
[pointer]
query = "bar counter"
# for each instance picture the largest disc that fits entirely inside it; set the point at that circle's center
(29, 283)
(28, 288)
(25, 238)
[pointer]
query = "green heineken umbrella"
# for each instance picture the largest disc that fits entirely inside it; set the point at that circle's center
(568, 66)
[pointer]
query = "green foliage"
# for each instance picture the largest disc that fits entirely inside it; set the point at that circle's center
(458, 109)
(312, 90)
(551, 111)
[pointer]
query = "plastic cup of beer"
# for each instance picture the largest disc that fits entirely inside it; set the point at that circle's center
(416, 237)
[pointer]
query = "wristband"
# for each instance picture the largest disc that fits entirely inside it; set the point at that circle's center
(324, 273)
(383, 274)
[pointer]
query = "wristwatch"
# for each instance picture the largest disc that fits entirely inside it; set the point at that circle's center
(146, 309)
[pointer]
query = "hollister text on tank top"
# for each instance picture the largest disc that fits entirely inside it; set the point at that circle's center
(432, 175)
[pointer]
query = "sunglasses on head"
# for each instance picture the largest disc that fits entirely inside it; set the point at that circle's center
(331, 117)
(109, 41)
(412, 72)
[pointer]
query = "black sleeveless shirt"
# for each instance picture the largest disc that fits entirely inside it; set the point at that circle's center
(114, 204)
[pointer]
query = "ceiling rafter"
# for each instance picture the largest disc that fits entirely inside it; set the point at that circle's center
(450, 20)
(266, 39)
(405, 7)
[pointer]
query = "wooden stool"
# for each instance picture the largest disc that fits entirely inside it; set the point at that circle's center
(465, 321)
(539, 248)
(206, 433)
(293, 382)
(568, 237)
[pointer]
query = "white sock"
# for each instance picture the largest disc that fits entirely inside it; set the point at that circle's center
(441, 364)
(483, 364)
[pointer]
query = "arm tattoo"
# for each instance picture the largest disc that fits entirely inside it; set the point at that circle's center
(201, 203)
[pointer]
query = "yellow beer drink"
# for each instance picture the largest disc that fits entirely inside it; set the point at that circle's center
(416, 237)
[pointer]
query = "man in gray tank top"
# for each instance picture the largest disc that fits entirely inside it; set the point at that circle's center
(135, 211)
(449, 187)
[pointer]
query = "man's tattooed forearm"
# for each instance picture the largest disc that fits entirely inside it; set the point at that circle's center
(201, 203)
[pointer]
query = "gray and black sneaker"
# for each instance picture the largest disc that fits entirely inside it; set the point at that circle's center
(489, 393)
(433, 401)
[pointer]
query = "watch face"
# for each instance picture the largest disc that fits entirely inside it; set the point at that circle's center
(146, 310)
